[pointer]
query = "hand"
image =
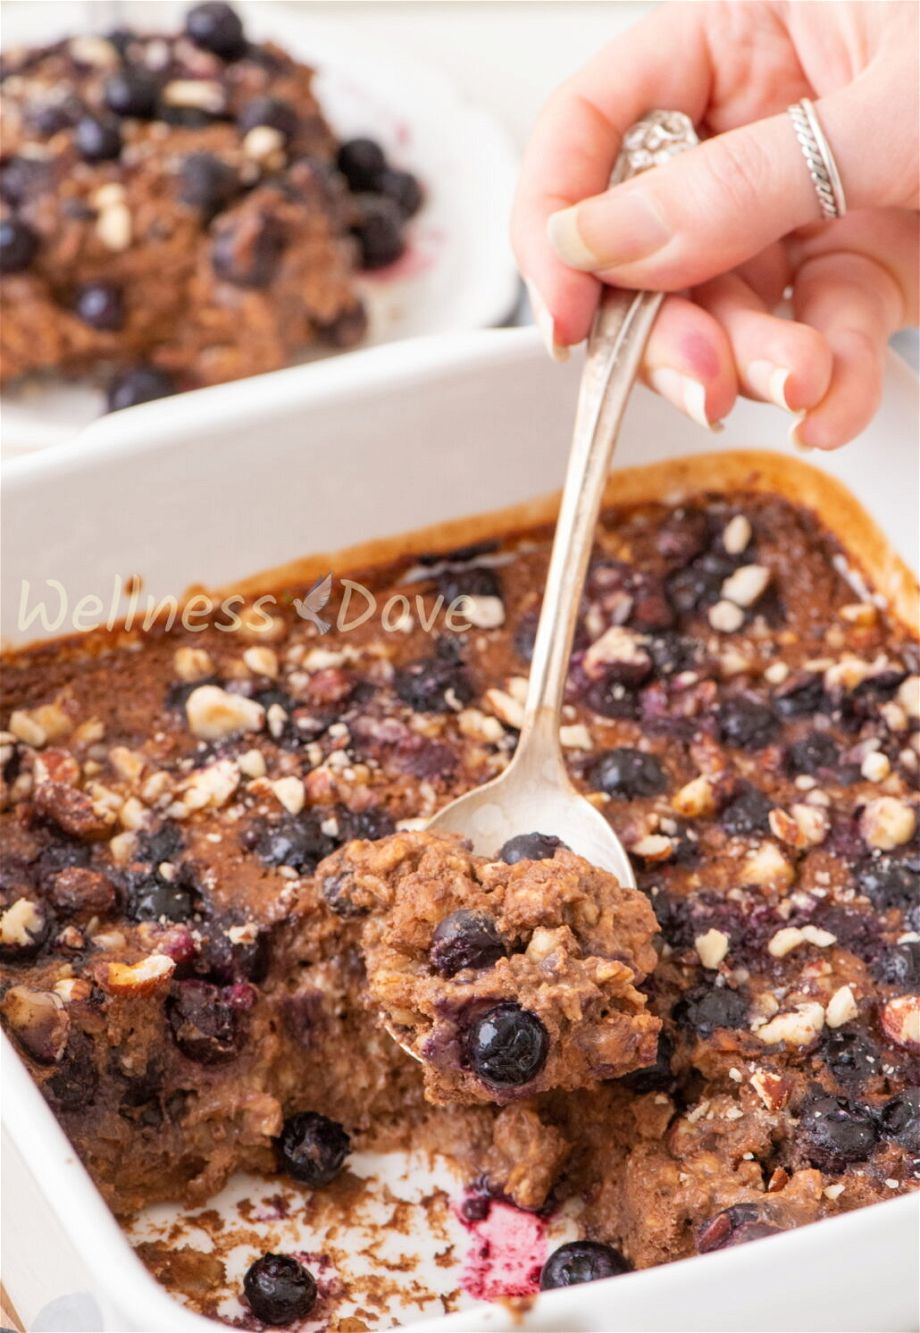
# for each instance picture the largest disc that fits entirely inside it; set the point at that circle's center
(735, 223)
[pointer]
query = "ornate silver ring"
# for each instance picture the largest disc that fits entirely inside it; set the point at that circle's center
(818, 158)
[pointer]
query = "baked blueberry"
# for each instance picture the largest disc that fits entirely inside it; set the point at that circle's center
(18, 245)
(609, 697)
(899, 965)
(378, 231)
(672, 652)
(699, 584)
(529, 847)
(97, 140)
(507, 1046)
(850, 1056)
(629, 773)
(294, 840)
(132, 92)
(473, 581)
(748, 812)
(714, 1007)
(802, 694)
(150, 897)
(207, 183)
(889, 883)
(100, 305)
(139, 384)
(581, 1261)
(465, 939)
(271, 111)
(653, 1078)
(248, 255)
(747, 722)
(683, 536)
(403, 188)
(431, 684)
(734, 1226)
(361, 162)
(216, 27)
(312, 1148)
(205, 1027)
(278, 1288)
(76, 1079)
(899, 1119)
(811, 753)
(834, 1132)
(22, 178)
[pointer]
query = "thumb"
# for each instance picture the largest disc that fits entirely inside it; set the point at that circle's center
(697, 216)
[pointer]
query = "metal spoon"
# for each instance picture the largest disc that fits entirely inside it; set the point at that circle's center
(535, 793)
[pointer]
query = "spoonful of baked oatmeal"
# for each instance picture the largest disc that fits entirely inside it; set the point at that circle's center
(505, 944)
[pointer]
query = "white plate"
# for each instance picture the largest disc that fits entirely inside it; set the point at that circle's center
(216, 485)
(458, 272)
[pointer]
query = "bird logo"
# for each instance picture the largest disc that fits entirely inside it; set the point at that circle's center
(309, 607)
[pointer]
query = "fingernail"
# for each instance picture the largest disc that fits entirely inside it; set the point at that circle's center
(769, 382)
(796, 436)
(546, 324)
(685, 393)
(612, 229)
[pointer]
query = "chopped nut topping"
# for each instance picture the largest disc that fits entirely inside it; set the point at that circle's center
(25, 728)
(746, 585)
(798, 1027)
(114, 227)
(506, 707)
(192, 664)
(214, 714)
(654, 847)
(772, 1089)
(262, 143)
(711, 947)
(767, 866)
(908, 696)
(482, 612)
(695, 798)
(876, 766)
(859, 613)
(776, 673)
(262, 661)
(841, 1007)
(901, 1021)
(21, 923)
(737, 534)
(212, 786)
(726, 617)
(290, 792)
(252, 764)
(575, 737)
(617, 645)
(137, 978)
(887, 823)
(202, 94)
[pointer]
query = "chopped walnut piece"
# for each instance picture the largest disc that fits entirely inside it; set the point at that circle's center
(617, 646)
(505, 706)
(797, 1027)
(737, 534)
(726, 617)
(212, 786)
(711, 947)
(767, 867)
(25, 728)
(887, 823)
(192, 664)
(772, 1089)
(876, 766)
(290, 792)
(214, 714)
(72, 811)
(900, 1020)
(746, 585)
(39, 1021)
(908, 696)
(697, 797)
(841, 1007)
(654, 847)
(137, 978)
(262, 661)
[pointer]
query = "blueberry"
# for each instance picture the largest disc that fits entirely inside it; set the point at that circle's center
(716, 1007)
(132, 92)
(465, 939)
(835, 1132)
(403, 188)
(581, 1261)
(653, 1078)
(76, 1080)
(162, 844)
(269, 111)
(100, 305)
(811, 753)
(425, 684)
(219, 960)
(734, 1226)
(248, 256)
(801, 694)
(312, 1148)
(507, 1046)
(899, 966)
(609, 697)
(370, 824)
(138, 384)
(683, 536)
(748, 812)
(672, 653)
(529, 847)
(747, 722)
(121, 38)
(22, 178)
(294, 840)
(850, 1056)
(278, 1287)
(900, 1120)
(18, 245)
(890, 884)
(698, 584)
(473, 581)
(216, 27)
(205, 1028)
(97, 140)
(361, 162)
(48, 118)
(378, 231)
(628, 773)
(207, 183)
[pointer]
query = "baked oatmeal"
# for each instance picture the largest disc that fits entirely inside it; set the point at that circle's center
(177, 212)
(192, 996)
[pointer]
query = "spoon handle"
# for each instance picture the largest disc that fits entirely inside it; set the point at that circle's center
(618, 336)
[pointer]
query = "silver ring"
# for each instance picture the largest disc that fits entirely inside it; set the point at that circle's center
(818, 158)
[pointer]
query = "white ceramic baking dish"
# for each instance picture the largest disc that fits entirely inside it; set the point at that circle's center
(243, 477)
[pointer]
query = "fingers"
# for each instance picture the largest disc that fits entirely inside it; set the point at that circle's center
(853, 302)
(777, 360)
(662, 61)
(688, 361)
(701, 214)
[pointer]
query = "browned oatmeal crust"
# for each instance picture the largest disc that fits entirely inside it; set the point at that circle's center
(180, 987)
